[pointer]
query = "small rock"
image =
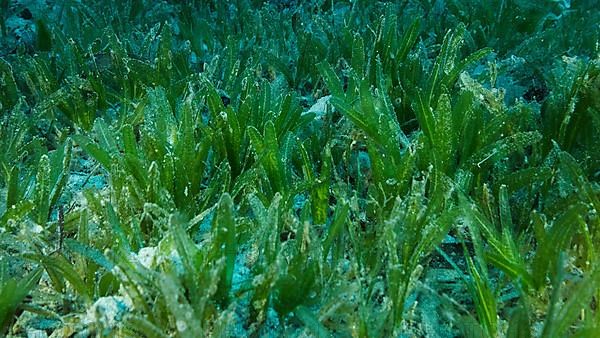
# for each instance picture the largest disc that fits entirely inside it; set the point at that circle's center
(33, 333)
(107, 311)
(321, 107)
(147, 257)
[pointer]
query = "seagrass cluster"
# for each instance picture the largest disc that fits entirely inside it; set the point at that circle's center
(299, 168)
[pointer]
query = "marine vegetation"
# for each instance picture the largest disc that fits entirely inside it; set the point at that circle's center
(320, 168)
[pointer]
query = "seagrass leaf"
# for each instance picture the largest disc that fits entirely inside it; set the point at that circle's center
(42, 190)
(331, 79)
(94, 150)
(90, 253)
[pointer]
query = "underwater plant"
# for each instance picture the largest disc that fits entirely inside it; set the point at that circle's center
(299, 168)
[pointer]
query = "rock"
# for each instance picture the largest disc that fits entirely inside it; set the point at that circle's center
(33, 333)
(321, 107)
(107, 311)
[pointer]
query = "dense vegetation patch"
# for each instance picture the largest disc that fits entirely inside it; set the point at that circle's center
(292, 168)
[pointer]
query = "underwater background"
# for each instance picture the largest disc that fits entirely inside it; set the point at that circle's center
(318, 168)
